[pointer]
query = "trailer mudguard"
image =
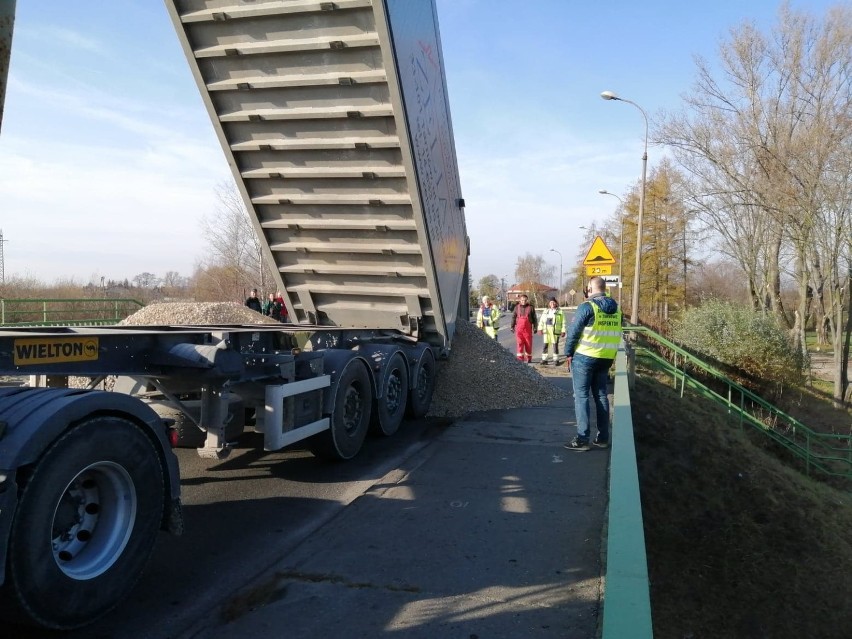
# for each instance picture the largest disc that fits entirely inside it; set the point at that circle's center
(32, 418)
(334, 361)
(414, 355)
(377, 357)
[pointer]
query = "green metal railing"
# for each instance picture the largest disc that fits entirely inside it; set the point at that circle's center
(829, 454)
(66, 311)
(627, 600)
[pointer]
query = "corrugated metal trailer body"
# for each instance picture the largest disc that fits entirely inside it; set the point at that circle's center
(335, 121)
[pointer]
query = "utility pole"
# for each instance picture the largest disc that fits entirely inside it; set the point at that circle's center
(2, 259)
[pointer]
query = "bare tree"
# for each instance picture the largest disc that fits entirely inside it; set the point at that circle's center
(234, 251)
(173, 280)
(766, 145)
(532, 271)
(145, 280)
(490, 286)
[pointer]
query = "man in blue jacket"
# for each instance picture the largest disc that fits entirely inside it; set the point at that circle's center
(590, 348)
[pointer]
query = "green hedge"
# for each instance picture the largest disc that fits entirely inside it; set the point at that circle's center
(740, 337)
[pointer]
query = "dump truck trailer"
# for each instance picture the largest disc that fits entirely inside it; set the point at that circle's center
(333, 117)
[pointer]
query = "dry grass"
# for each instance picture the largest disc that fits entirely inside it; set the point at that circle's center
(739, 545)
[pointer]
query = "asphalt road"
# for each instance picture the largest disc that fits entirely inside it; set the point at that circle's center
(244, 514)
(507, 338)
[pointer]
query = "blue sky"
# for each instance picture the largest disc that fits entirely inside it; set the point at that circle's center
(108, 160)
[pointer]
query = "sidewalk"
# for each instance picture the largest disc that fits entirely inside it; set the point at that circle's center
(493, 530)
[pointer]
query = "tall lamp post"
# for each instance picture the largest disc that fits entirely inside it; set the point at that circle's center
(590, 232)
(559, 295)
(634, 313)
(621, 250)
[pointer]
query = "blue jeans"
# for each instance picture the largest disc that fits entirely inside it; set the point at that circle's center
(590, 375)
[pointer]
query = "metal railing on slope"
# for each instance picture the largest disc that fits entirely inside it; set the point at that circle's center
(85, 311)
(627, 599)
(827, 453)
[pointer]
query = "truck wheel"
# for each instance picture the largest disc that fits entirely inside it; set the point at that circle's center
(85, 526)
(351, 417)
(390, 407)
(420, 397)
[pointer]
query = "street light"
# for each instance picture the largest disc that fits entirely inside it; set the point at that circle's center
(621, 251)
(560, 272)
(590, 232)
(634, 314)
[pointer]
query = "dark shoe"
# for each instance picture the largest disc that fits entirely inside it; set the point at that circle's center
(601, 443)
(578, 444)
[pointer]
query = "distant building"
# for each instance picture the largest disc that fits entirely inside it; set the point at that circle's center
(538, 293)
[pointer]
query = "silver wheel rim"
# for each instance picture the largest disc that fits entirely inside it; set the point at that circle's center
(422, 383)
(353, 413)
(93, 520)
(393, 392)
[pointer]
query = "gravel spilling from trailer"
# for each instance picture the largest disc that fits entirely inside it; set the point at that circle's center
(482, 375)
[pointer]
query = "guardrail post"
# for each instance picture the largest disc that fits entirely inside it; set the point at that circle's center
(631, 363)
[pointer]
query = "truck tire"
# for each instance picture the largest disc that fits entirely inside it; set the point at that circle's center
(420, 396)
(85, 525)
(390, 407)
(351, 417)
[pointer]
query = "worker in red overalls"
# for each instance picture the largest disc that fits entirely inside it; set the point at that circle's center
(523, 325)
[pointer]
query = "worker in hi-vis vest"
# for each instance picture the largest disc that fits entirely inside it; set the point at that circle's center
(487, 317)
(551, 326)
(591, 347)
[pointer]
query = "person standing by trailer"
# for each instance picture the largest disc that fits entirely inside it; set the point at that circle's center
(283, 316)
(272, 308)
(590, 348)
(551, 326)
(487, 317)
(524, 322)
(253, 302)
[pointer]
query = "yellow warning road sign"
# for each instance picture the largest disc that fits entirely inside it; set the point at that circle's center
(598, 254)
(605, 269)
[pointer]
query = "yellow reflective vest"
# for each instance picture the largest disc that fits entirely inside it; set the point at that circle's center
(487, 318)
(602, 338)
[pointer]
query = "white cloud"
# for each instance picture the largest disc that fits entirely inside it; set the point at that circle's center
(78, 209)
(62, 36)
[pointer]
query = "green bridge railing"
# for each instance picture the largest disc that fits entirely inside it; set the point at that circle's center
(66, 311)
(627, 607)
(828, 454)
(627, 599)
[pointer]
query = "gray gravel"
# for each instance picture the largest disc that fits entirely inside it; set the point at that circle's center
(195, 314)
(480, 374)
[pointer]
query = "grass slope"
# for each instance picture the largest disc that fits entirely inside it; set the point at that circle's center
(739, 545)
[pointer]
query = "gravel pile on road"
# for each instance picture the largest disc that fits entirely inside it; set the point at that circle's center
(195, 313)
(482, 375)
